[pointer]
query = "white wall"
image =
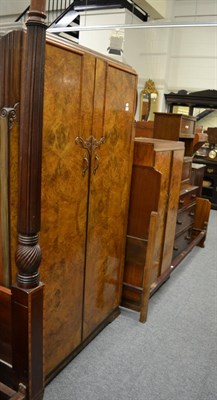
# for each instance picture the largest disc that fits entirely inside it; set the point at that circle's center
(99, 40)
(192, 62)
(180, 58)
(145, 50)
(155, 8)
(209, 121)
(10, 9)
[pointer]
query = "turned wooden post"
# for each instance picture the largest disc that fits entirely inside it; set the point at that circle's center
(28, 254)
(28, 292)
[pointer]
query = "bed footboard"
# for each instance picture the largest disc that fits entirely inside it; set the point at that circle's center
(21, 343)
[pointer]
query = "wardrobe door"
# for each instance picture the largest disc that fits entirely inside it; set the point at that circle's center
(114, 106)
(64, 197)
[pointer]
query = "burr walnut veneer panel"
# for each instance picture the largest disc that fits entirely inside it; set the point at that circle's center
(64, 202)
(109, 193)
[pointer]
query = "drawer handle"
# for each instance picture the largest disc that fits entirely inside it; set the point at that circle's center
(85, 165)
(181, 201)
(186, 126)
(210, 170)
(96, 161)
(191, 214)
(175, 248)
(193, 196)
(179, 222)
(188, 237)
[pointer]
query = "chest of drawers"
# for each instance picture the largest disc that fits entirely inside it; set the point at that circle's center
(192, 217)
(175, 127)
(185, 218)
(189, 232)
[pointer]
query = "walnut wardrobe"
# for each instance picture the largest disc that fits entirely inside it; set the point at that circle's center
(87, 150)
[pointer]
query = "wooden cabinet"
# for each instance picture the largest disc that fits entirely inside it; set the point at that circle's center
(155, 187)
(175, 127)
(182, 127)
(185, 218)
(188, 233)
(89, 105)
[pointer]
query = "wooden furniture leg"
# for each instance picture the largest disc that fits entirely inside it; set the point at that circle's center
(148, 266)
(202, 212)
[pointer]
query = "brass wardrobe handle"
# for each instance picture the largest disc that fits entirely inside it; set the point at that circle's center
(90, 144)
(96, 163)
(97, 143)
(85, 165)
(86, 144)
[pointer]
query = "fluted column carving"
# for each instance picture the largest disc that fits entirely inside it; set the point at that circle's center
(28, 253)
(7, 117)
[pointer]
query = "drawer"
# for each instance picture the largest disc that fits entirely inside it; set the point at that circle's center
(181, 242)
(187, 127)
(188, 197)
(185, 218)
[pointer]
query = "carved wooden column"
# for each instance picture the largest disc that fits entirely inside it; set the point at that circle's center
(28, 255)
(28, 292)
